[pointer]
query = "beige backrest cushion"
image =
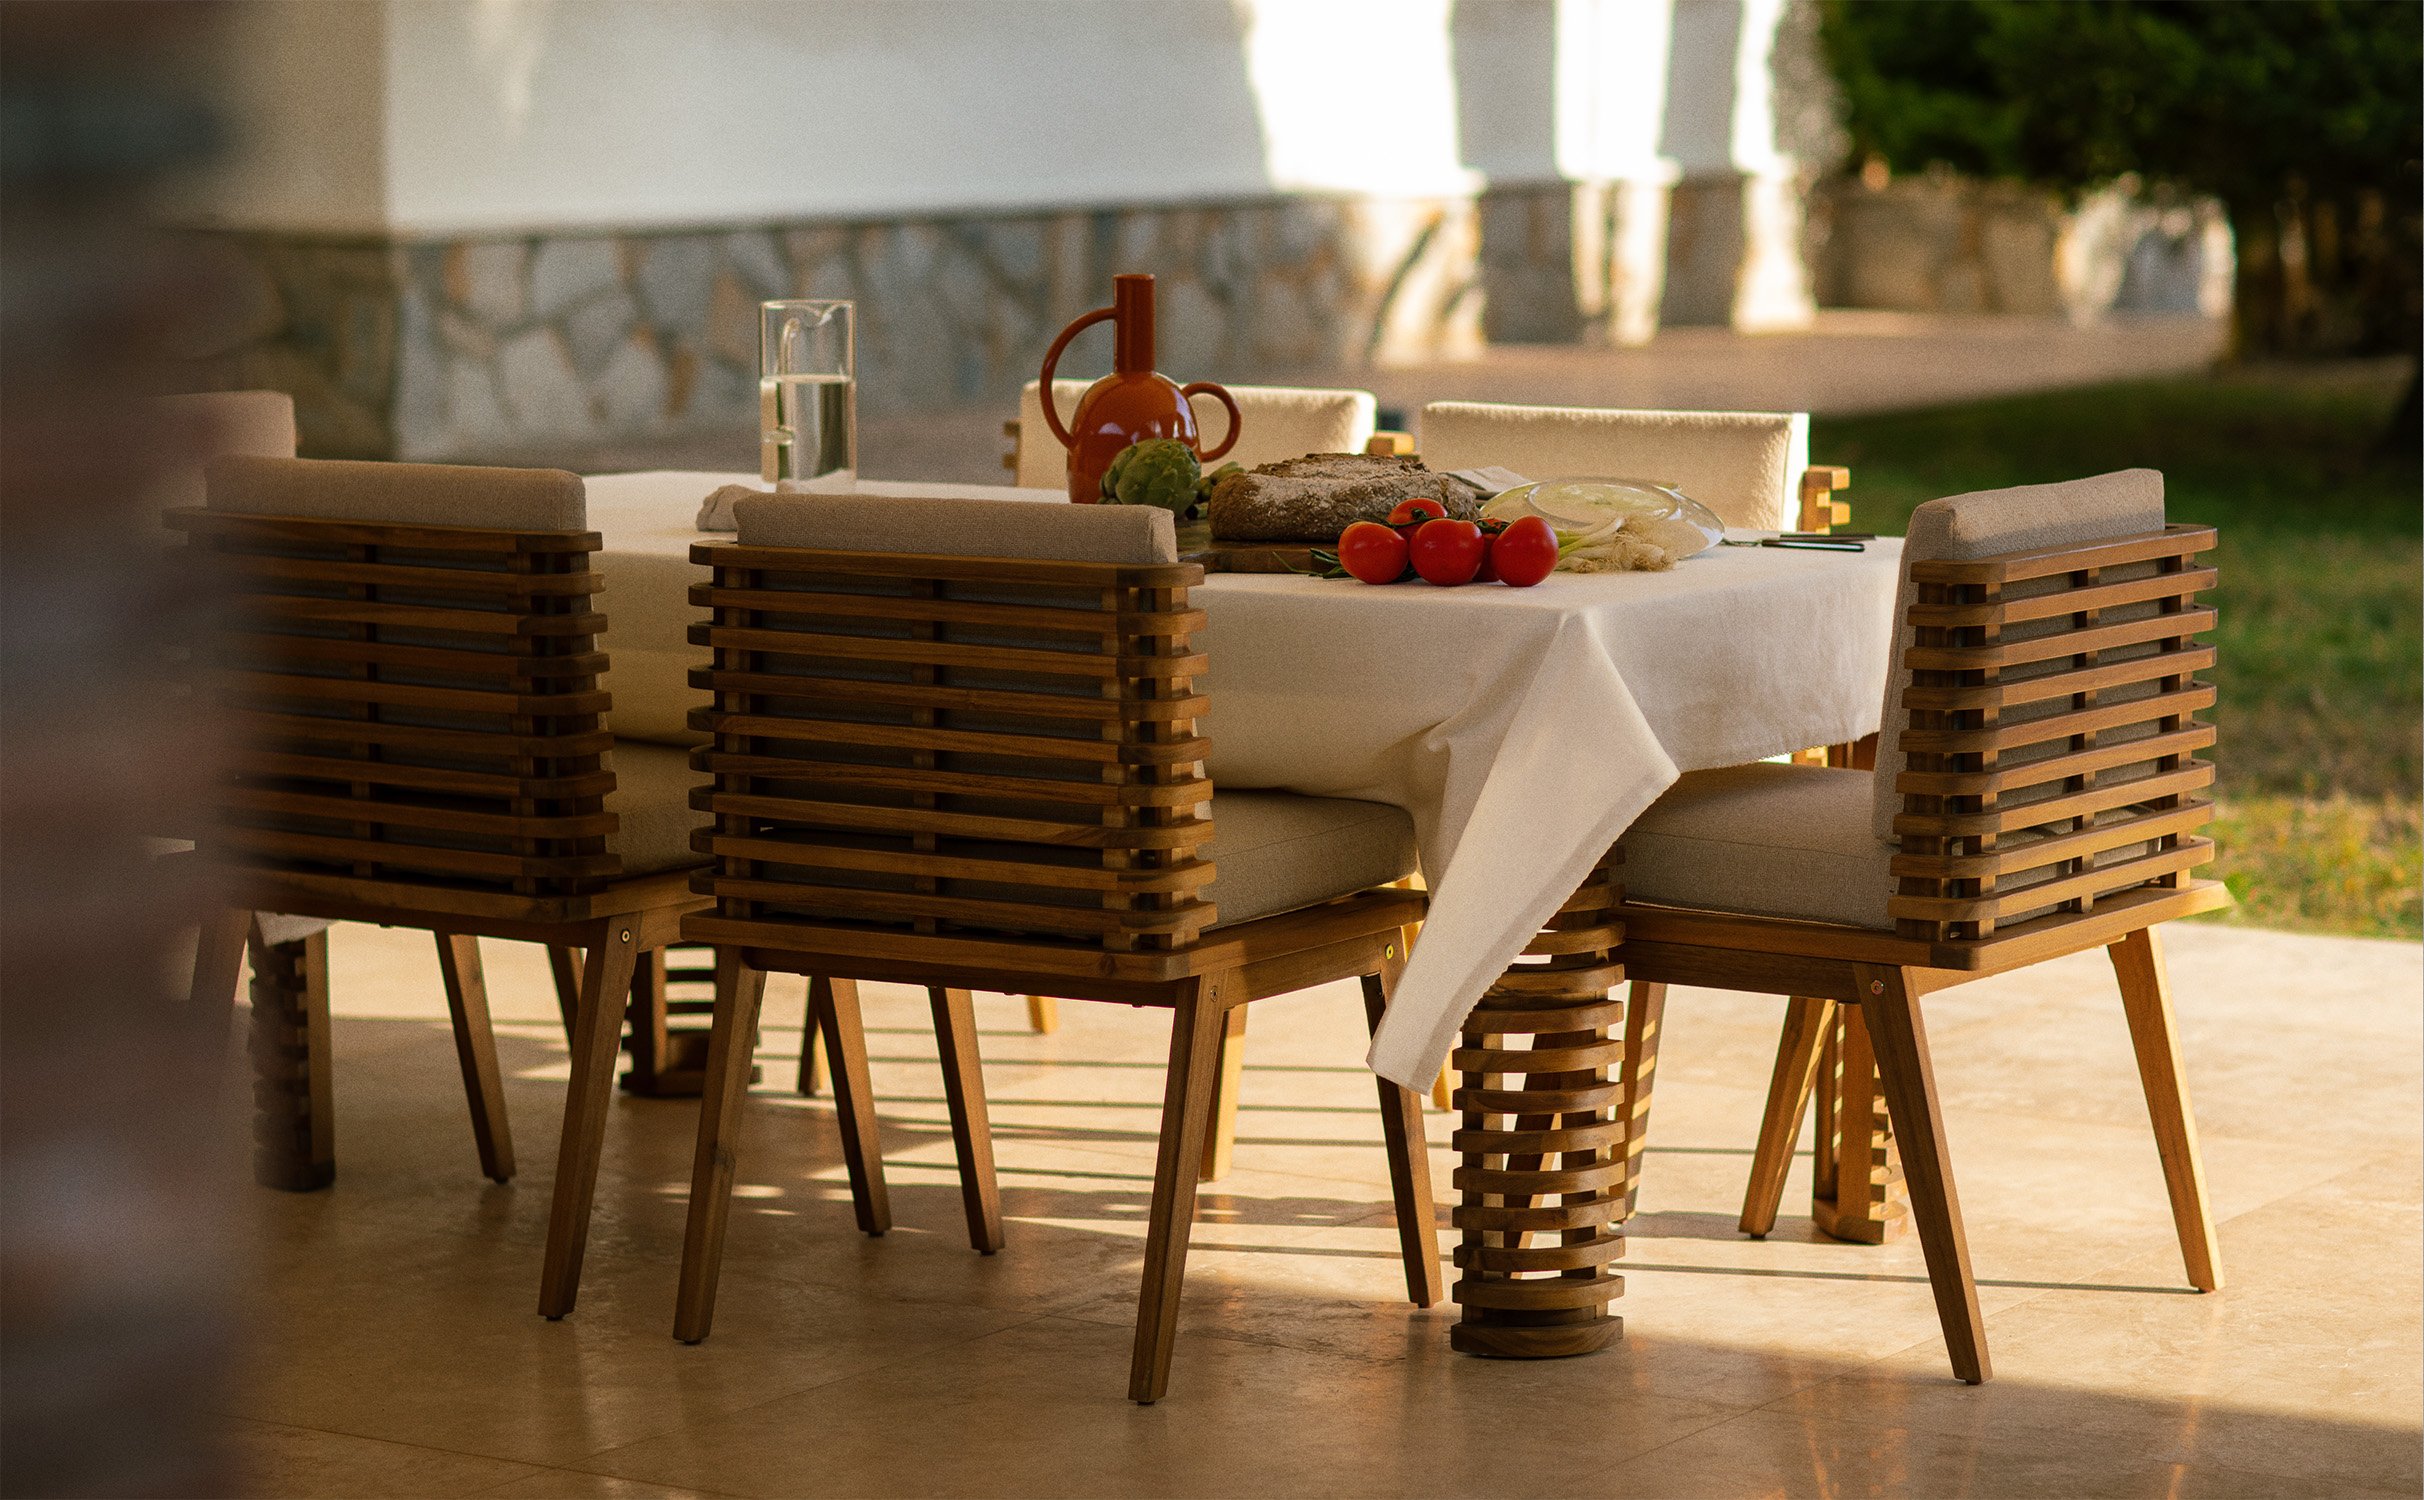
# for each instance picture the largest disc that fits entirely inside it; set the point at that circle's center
(1281, 422)
(1746, 466)
(215, 424)
(2022, 519)
(1041, 529)
(400, 494)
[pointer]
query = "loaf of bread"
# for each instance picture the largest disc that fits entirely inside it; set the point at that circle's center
(1314, 498)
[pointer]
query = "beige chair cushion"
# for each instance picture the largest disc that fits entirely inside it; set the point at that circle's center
(1769, 840)
(1745, 466)
(1281, 421)
(2022, 519)
(1131, 534)
(258, 424)
(1277, 851)
(400, 494)
(651, 797)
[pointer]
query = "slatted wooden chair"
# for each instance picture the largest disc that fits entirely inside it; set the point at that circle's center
(409, 663)
(2038, 793)
(955, 747)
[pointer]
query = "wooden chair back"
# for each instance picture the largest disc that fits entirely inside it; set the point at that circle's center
(407, 657)
(952, 759)
(2051, 734)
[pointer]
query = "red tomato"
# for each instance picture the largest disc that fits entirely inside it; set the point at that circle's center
(1525, 552)
(1447, 552)
(1489, 553)
(1415, 512)
(1372, 552)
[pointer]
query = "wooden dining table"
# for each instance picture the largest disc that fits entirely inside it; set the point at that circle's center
(1523, 730)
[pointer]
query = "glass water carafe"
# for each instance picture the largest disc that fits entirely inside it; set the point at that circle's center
(808, 394)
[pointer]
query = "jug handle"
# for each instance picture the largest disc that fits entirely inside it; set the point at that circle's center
(1221, 395)
(1052, 359)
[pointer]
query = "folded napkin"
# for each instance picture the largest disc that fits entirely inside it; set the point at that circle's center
(715, 512)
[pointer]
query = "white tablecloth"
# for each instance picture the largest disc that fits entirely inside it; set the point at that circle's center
(1523, 729)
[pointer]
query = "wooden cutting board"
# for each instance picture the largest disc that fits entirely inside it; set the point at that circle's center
(1196, 545)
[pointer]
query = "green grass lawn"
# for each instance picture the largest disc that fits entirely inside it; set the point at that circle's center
(2321, 633)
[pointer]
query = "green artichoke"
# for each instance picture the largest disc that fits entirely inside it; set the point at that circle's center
(1157, 471)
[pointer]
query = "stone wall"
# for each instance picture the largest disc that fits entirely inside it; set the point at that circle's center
(452, 349)
(1943, 244)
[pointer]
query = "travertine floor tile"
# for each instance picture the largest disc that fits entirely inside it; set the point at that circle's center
(396, 1350)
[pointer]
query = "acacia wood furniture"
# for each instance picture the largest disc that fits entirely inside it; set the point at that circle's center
(2040, 764)
(415, 704)
(1543, 1163)
(961, 771)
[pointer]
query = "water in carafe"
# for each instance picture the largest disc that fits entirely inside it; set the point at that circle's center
(808, 428)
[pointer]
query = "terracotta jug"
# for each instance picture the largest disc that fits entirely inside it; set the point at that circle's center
(1130, 404)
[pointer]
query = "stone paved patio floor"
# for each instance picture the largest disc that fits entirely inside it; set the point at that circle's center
(395, 1350)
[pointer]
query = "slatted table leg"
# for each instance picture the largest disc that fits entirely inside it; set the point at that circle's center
(1541, 1147)
(294, 1129)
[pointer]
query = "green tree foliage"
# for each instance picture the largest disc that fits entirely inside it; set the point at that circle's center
(2302, 116)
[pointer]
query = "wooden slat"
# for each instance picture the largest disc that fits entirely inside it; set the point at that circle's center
(806, 774)
(257, 568)
(2051, 562)
(939, 865)
(2104, 797)
(2022, 653)
(2013, 859)
(2184, 661)
(2014, 611)
(943, 654)
(2018, 734)
(777, 686)
(806, 604)
(974, 742)
(207, 524)
(809, 562)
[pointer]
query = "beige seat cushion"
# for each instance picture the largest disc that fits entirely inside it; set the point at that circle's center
(651, 797)
(1769, 840)
(1746, 466)
(1281, 421)
(463, 495)
(1277, 851)
(259, 424)
(1139, 535)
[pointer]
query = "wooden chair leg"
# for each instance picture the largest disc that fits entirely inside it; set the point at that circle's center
(1643, 1019)
(1043, 1014)
(731, 1037)
(1409, 1149)
(971, 1132)
(1198, 1024)
(1806, 1022)
(647, 1040)
(2146, 1000)
(218, 963)
(294, 1121)
(476, 1050)
(1220, 1151)
(1909, 1078)
(834, 1003)
(597, 1037)
(816, 1072)
(565, 965)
